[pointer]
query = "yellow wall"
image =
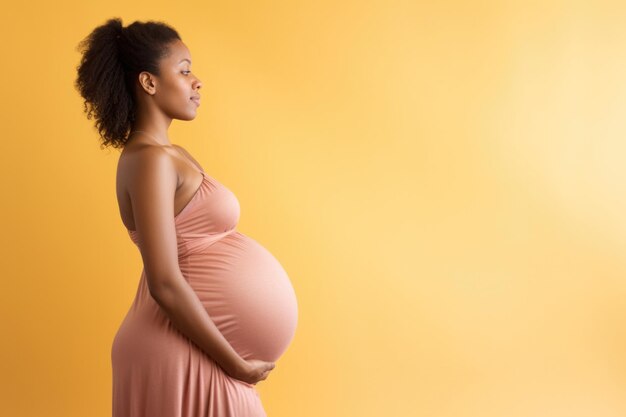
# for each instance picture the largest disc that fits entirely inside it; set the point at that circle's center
(445, 184)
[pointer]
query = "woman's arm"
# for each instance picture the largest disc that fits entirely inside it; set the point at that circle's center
(182, 306)
(152, 185)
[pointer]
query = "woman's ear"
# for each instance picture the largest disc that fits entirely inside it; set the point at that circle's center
(147, 82)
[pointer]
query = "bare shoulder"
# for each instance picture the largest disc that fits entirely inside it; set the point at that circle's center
(143, 173)
(144, 161)
(144, 152)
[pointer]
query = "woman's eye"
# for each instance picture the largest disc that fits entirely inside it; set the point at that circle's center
(186, 72)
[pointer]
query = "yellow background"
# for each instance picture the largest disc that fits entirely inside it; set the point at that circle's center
(444, 183)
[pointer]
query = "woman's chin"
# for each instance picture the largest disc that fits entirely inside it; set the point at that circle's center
(188, 116)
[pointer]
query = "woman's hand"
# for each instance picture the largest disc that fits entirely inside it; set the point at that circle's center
(253, 370)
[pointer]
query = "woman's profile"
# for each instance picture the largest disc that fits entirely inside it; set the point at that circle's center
(213, 309)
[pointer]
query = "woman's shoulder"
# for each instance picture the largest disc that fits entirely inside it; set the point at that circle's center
(145, 152)
(145, 158)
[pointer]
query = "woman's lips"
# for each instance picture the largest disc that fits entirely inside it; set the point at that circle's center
(196, 100)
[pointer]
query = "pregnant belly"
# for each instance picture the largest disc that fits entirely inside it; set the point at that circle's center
(247, 293)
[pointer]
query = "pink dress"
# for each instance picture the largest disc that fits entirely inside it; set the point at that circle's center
(158, 371)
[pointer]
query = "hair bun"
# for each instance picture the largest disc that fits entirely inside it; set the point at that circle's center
(116, 27)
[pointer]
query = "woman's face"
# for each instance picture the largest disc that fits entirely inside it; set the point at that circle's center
(176, 92)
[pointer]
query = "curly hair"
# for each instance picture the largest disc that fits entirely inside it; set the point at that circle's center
(112, 58)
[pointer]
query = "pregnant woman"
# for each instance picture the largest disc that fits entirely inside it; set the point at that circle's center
(214, 309)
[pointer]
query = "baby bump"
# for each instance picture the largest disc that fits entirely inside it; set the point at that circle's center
(247, 293)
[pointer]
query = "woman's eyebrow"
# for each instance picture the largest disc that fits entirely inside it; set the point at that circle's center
(184, 59)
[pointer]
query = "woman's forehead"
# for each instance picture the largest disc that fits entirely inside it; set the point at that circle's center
(178, 54)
